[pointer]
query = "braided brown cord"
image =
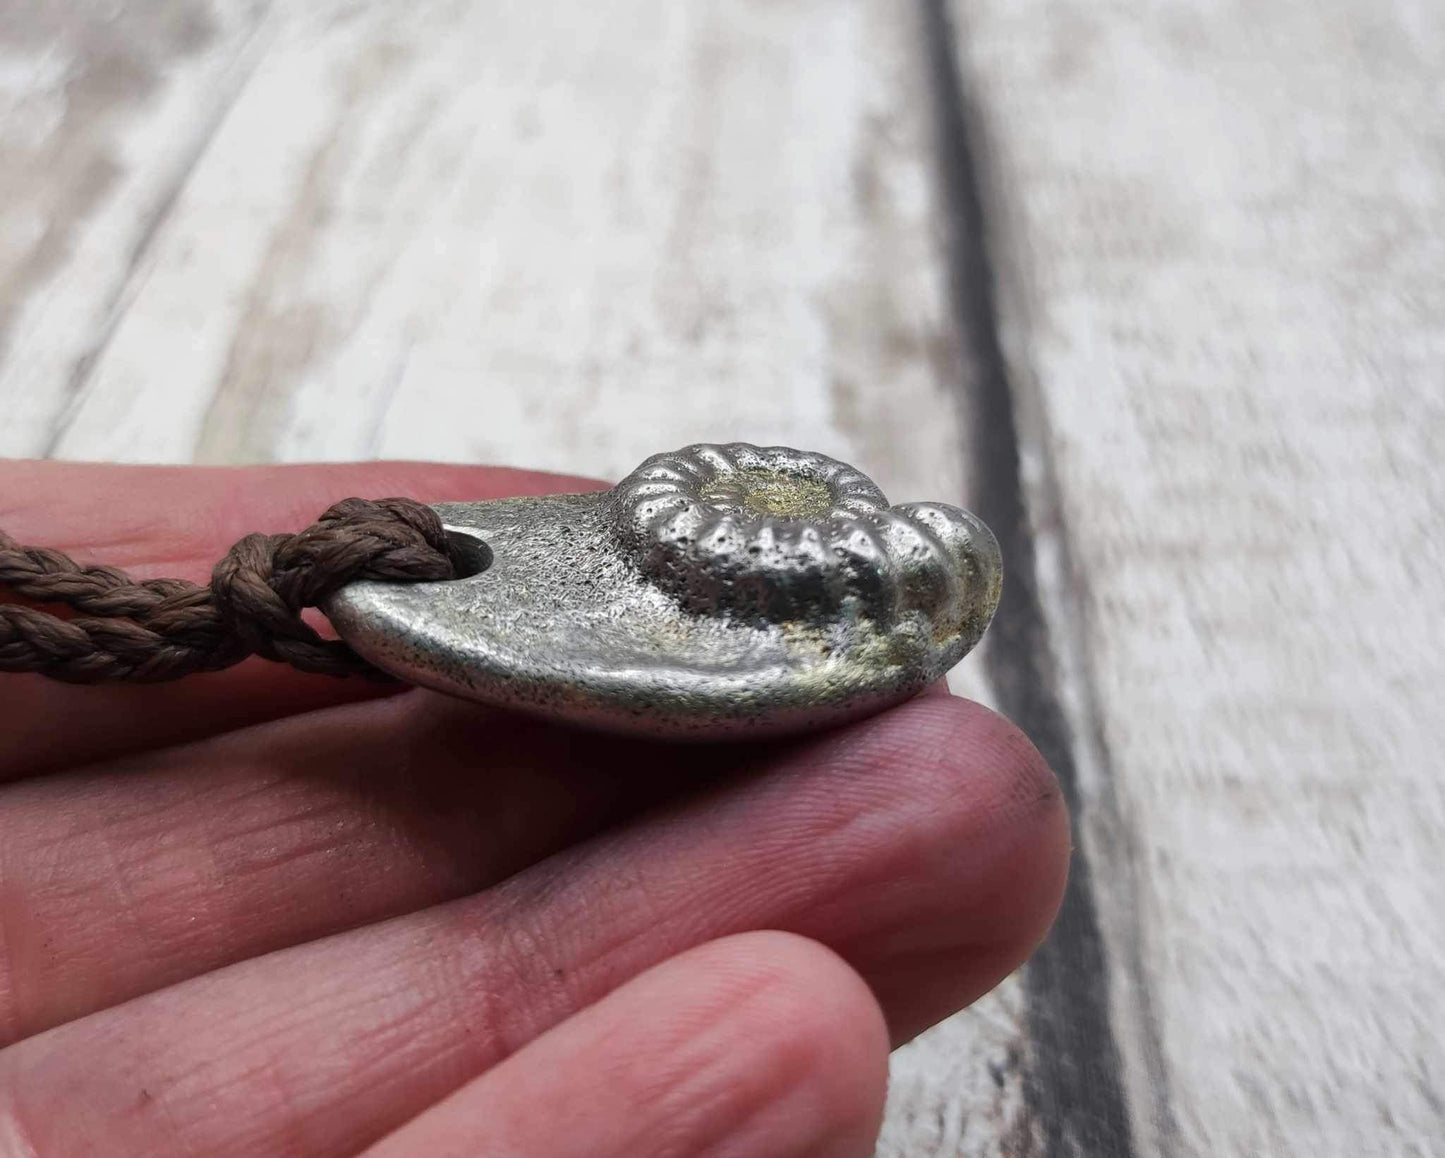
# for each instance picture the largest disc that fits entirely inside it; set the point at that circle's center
(161, 629)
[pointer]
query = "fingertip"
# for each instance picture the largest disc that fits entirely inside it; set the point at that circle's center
(820, 1031)
(956, 748)
(1028, 801)
(759, 1044)
(1006, 784)
(971, 839)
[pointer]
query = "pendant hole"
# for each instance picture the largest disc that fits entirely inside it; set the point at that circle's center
(470, 554)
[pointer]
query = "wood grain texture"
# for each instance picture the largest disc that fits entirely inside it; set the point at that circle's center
(549, 234)
(102, 123)
(1215, 233)
(442, 231)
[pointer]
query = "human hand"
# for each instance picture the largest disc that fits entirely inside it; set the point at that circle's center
(260, 912)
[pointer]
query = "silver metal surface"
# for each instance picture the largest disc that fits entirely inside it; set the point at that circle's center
(718, 591)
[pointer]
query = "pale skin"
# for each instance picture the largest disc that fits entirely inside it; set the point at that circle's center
(259, 912)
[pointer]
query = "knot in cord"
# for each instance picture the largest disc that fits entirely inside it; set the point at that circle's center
(162, 629)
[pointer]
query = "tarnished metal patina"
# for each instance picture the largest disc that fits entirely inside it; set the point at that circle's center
(718, 591)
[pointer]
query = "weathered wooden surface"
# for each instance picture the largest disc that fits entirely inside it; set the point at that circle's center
(511, 233)
(567, 235)
(1216, 232)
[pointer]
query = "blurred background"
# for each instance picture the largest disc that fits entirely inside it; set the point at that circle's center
(1156, 286)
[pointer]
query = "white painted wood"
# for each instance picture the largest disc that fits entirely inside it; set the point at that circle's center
(1218, 231)
(548, 234)
(957, 1089)
(102, 122)
(527, 234)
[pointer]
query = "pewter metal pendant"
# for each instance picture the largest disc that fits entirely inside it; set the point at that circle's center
(717, 592)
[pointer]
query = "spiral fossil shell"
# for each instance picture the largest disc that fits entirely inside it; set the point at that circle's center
(777, 534)
(718, 591)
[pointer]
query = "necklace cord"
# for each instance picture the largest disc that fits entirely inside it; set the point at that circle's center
(153, 630)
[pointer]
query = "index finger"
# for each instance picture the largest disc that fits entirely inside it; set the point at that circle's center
(178, 521)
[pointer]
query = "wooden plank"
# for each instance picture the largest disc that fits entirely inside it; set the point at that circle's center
(436, 232)
(102, 123)
(550, 234)
(1214, 233)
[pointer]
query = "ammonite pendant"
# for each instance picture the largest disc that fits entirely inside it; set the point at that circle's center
(717, 591)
